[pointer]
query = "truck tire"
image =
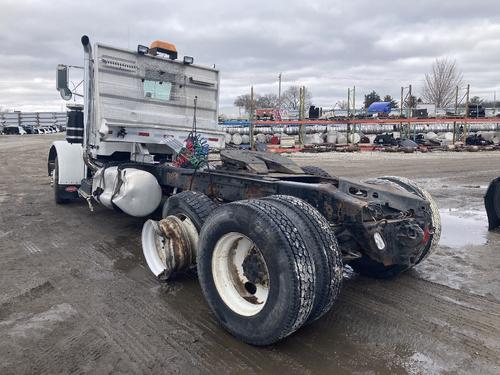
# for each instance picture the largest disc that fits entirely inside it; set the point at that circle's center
(190, 205)
(323, 246)
(369, 267)
(315, 171)
(255, 271)
(58, 189)
(492, 204)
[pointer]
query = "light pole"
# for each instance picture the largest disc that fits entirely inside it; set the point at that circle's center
(279, 93)
(494, 103)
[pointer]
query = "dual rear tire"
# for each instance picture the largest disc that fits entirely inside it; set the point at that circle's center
(268, 266)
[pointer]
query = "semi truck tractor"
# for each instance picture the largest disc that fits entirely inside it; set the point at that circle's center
(268, 239)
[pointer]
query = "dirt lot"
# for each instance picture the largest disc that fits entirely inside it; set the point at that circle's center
(76, 296)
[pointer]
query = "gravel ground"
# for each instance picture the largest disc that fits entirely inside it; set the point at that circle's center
(76, 295)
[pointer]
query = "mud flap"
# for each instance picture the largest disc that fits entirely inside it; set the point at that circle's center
(492, 204)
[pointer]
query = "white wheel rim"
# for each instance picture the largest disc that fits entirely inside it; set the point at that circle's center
(158, 249)
(153, 247)
(235, 259)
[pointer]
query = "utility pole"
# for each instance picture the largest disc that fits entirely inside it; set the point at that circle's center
(455, 112)
(304, 101)
(302, 129)
(494, 103)
(251, 124)
(410, 113)
(466, 111)
(401, 103)
(401, 109)
(354, 106)
(354, 100)
(348, 112)
(348, 101)
(410, 103)
(279, 93)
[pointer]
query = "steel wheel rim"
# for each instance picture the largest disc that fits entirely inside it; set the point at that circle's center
(152, 246)
(240, 274)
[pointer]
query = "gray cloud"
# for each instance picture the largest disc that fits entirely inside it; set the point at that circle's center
(326, 45)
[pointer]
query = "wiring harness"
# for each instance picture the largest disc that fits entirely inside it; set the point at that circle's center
(194, 154)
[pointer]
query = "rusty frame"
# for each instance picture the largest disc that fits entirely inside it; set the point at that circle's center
(355, 210)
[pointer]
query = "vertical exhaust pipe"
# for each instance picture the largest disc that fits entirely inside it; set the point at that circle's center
(87, 86)
(87, 100)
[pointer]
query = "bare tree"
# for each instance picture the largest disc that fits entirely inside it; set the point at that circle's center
(290, 98)
(245, 101)
(267, 101)
(439, 85)
(411, 102)
(342, 104)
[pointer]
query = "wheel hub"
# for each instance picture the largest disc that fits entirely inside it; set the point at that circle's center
(240, 274)
(254, 268)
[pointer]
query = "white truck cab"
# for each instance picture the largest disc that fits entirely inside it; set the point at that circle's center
(138, 106)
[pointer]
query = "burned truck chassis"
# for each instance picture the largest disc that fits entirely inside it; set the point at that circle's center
(356, 211)
(268, 238)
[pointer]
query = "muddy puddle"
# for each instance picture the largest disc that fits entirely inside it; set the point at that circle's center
(463, 228)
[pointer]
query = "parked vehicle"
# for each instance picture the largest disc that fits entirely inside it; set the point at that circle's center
(268, 238)
(28, 129)
(14, 130)
(476, 110)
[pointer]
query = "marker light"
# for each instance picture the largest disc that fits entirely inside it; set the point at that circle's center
(159, 46)
(142, 50)
(188, 60)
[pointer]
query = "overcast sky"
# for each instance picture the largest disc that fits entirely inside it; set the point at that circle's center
(326, 45)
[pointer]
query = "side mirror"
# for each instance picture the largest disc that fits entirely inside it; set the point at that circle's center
(62, 79)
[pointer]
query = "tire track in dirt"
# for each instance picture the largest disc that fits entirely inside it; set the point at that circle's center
(441, 323)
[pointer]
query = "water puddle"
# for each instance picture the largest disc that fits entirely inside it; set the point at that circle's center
(462, 227)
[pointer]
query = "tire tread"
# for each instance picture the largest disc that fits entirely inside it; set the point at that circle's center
(326, 251)
(300, 259)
